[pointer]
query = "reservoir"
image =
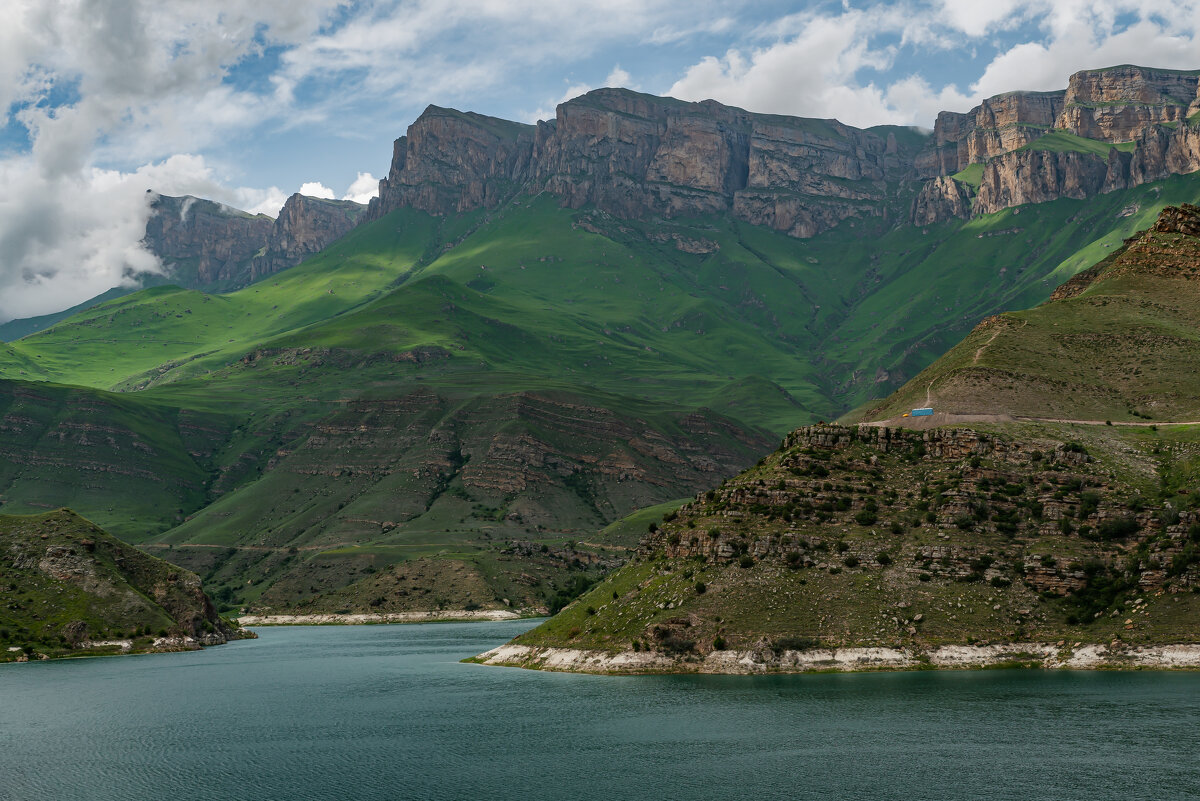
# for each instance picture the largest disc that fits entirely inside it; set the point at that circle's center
(388, 712)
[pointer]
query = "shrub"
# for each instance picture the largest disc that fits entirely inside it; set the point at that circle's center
(850, 561)
(964, 522)
(718, 643)
(842, 546)
(865, 517)
(746, 560)
(714, 533)
(924, 577)
(1000, 581)
(883, 558)
(1118, 528)
(701, 588)
(591, 610)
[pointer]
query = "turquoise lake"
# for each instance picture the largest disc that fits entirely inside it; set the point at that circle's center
(388, 712)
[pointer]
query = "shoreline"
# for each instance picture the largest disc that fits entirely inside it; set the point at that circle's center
(376, 618)
(847, 660)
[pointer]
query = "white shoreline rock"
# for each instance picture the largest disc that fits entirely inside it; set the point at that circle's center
(382, 617)
(1084, 657)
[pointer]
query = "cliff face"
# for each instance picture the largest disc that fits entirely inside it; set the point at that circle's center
(639, 156)
(204, 243)
(306, 225)
(997, 125)
(635, 155)
(207, 245)
(1116, 104)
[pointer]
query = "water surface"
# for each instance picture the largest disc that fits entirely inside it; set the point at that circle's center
(387, 712)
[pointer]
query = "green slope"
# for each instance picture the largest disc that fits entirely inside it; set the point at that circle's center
(1120, 342)
(446, 386)
(71, 588)
(1037, 531)
(136, 465)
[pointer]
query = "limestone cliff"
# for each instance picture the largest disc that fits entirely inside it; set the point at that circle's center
(639, 156)
(306, 225)
(636, 155)
(207, 245)
(202, 243)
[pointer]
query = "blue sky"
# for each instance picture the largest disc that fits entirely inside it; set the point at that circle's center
(247, 101)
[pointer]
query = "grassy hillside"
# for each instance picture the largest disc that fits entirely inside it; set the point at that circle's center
(1017, 532)
(877, 538)
(449, 388)
(1121, 342)
(136, 465)
(71, 588)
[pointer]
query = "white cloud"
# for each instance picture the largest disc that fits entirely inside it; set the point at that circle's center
(316, 189)
(365, 187)
(811, 63)
(618, 77)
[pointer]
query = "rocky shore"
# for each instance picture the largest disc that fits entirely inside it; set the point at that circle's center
(1078, 656)
(439, 616)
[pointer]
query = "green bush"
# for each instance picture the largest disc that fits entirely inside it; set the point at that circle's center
(866, 517)
(883, 558)
(746, 560)
(701, 588)
(1118, 528)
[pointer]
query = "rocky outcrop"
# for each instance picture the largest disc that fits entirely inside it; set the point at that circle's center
(306, 225)
(636, 155)
(639, 156)
(943, 198)
(1036, 176)
(202, 243)
(997, 125)
(1116, 104)
(452, 161)
(208, 245)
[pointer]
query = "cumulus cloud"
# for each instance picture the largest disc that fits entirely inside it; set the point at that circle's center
(814, 63)
(133, 83)
(365, 187)
(316, 189)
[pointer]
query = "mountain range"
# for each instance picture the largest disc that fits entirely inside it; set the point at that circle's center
(461, 395)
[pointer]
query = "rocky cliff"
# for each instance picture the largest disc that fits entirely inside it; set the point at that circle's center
(208, 245)
(202, 243)
(640, 156)
(636, 155)
(306, 225)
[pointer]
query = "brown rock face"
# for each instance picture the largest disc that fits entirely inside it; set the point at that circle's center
(1035, 176)
(639, 156)
(997, 125)
(202, 243)
(207, 245)
(636, 155)
(306, 225)
(941, 199)
(1114, 105)
(452, 161)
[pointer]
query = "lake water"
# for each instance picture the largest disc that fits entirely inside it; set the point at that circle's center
(387, 712)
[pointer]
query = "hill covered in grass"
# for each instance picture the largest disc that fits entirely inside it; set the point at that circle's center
(1036, 542)
(70, 588)
(1120, 341)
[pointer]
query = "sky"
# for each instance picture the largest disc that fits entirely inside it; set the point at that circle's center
(248, 101)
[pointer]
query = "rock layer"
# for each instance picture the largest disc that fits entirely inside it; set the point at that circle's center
(639, 156)
(208, 245)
